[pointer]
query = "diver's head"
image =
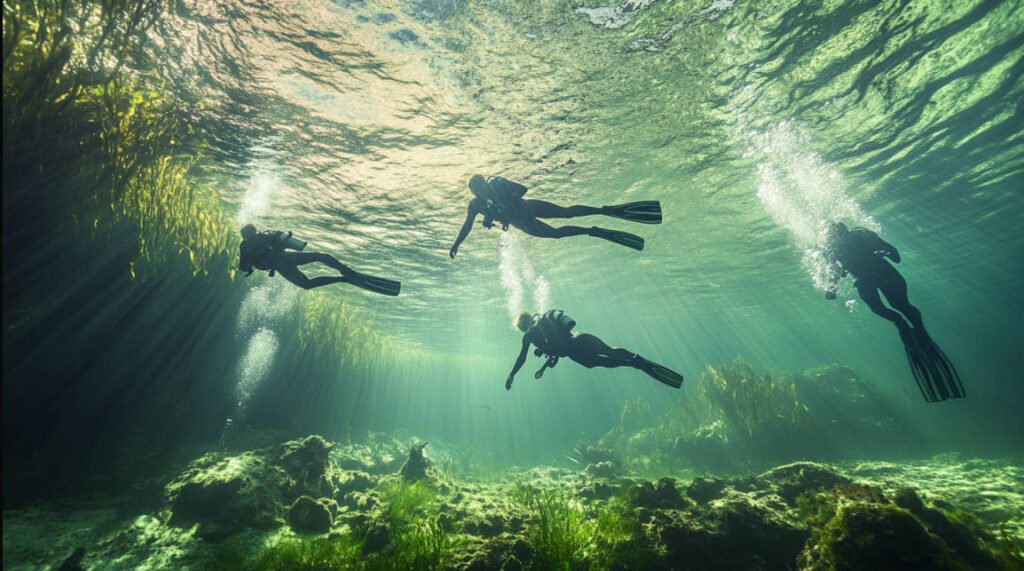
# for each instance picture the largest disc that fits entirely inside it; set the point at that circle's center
(836, 230)
(477, 184)
(524, 322)
(248, 231)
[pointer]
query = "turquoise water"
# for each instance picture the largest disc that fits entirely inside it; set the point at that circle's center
(357, 124)
(751, 123)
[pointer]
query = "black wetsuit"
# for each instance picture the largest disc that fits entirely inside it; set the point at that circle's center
(265, 251)
(862, 254)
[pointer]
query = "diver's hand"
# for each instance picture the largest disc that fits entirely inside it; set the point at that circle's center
(508, 383)
(453, 251)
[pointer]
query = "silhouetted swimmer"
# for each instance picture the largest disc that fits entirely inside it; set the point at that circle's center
(279, 252)
(501, 200)
(862, 254)
(552, 334)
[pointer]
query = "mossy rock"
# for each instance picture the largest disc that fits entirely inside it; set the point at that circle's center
(305, 459)
(735, 533)
(310, 516)
(879, 536)
(661, 494)
(226, 495)
(793, 480)
(703, 489)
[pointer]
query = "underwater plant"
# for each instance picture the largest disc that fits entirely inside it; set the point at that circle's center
(294, 554)
(564, 534)
(419, 535)
(752, 406)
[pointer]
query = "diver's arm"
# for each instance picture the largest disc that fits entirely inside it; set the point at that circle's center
(519, 362)
(466, 227)
(834, 273)
(243, 263)
(888, 250)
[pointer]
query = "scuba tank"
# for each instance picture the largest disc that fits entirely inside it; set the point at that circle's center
(502, 193)
(555, 329)
(283, 240)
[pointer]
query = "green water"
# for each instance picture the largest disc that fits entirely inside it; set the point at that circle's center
(751, 123)
(140, 366)
(357, 124)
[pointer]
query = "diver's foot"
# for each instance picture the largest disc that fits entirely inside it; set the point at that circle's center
(644, 212)
(622, 238)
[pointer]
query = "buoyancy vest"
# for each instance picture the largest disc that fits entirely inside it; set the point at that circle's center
(496, 202)
(552, 332)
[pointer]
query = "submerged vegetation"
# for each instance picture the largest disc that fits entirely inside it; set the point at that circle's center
(230, 512)
(736, 419)
(107, 178)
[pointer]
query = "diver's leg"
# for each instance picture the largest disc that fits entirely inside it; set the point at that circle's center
(300, 258)
(542, 230)
(545, 209)
(869, 293)
(895, 289)
(589, 351)
(294, 275)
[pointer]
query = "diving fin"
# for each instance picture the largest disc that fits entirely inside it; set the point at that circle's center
(661, 374)
(935, 375)
(623, 238)
(645, 212)
(376, 285)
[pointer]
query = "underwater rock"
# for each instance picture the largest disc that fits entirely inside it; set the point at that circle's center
(310, 516)
(352, 481)
(662, 494)
(736, 533)
(305, 459)
(415, 467)
(703, 489)
(225, 495)
(74, 561)
(600, 470)
(878, 536)
(792, 480)
(908, 499)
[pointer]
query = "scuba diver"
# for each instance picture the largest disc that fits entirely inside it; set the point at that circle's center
(553, 336)
(501, 200)
(280, 252)
(861, 253)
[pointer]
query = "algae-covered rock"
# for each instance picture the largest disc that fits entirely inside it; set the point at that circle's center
(415, 466)
(703, 489)
(305, 459)
(736, 533)
(226, 494)
(878, 536)
(793, 480)
(310, 516)
(661, 494)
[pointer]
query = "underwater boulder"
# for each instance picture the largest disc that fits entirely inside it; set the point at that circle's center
(878, 536)
(660, 495)
(965, 540)
(307, 515)
(415, 466)
(225, 495)
(792, 480)
(305, 459)
(703, 489)
(736, 533)
(352, 481)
